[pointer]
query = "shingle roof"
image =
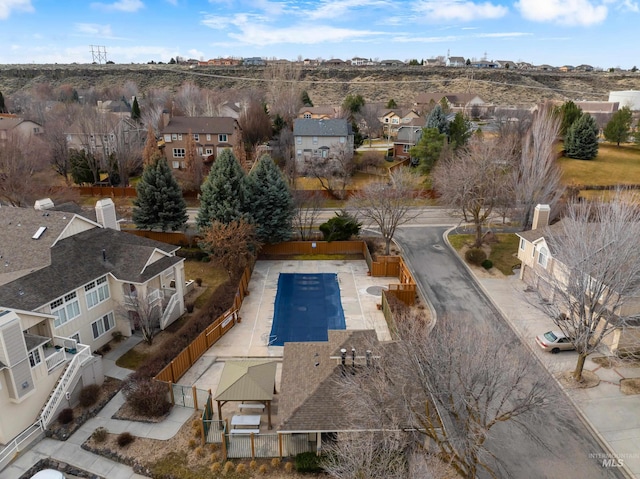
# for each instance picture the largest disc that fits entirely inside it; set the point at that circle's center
(308, 392)
(314, 127)
(201, 125)
(19, 253)
(78, 260)
(453, 98)
(318, 110)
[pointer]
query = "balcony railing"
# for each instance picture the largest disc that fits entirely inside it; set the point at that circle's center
(151, 299)
(54, 358)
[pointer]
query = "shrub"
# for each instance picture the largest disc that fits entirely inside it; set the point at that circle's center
(341, 227)
(241, 468)
(308, 462)
(199, 452)
(288, 467)
(100, 434)
(105, 349)
(263, 469)
(89, 395)
(117, 336)
(199, 281)
(275, 462)
(228, 467)
(215, 467)
(215, 457)
(124, 439)
(189, 307)
(487, 264)
(65, 416)
(475, 256)
(192, 443)
(146, 396)
(253, 465)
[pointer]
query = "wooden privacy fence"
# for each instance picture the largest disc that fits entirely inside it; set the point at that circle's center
(314, 247)
(176, 238)
(405, 291)
(189, 355)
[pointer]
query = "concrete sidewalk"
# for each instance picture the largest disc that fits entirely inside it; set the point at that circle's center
(611, 415)
(71, 452)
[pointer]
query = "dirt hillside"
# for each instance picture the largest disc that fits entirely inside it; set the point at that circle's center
(327, 85)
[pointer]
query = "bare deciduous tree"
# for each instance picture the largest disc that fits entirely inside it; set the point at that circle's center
(368, 114)
(594, 276)
(388, 204)
(537, 176)
(255, 125)
(335, 172)
(188, 99)
(21, 157)
(57, 123)
(284, 90)
(144, 312)
(233, 245)
(307, 210)
(451, 386)
(126, 144)
(473, 179)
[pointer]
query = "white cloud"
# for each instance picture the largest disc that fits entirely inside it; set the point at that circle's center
(259, 35)
(459, 10)
(120, 6)
(503, 35)
(8, 6)
(630, 6)
(339, 8)
(93, 29)
(565, 12)
(193, 53)
(410, 39)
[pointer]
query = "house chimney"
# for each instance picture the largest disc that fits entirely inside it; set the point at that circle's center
(106, 214)
(541, 216)
(43, 204)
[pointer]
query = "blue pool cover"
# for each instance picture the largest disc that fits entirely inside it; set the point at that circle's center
(306, 307)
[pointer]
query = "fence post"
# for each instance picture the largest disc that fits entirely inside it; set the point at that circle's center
(203, 440)
(280, 445)
(253, 446)
(173, 400)
(194, 392)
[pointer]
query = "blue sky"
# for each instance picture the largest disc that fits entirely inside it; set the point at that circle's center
(602, 33)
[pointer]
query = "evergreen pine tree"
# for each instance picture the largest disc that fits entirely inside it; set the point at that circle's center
(223, 195)
(392, 104)
(3, 108)
(270, 201)
(304, 97)
(569, 112)
(581, 142)
(159, 204)
(135, 110)
(438, 119)
(459, 131)
(618, 129)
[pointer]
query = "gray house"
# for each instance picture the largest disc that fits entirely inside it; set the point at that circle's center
(319, 138)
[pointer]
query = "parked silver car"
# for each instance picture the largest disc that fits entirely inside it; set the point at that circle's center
(554, 341)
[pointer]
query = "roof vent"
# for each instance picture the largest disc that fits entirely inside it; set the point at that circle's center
(39, 233)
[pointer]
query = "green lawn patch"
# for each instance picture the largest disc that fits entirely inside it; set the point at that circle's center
(613, 165)
(503, 253)
(211, 274)
(132, 359)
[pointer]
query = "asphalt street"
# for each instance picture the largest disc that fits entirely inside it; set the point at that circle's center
(568, 449)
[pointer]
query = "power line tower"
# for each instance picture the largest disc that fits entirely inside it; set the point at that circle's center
(99, 54)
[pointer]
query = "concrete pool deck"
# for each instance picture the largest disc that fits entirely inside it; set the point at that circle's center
(359, 293)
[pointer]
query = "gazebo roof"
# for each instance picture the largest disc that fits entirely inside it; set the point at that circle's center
(251, 380)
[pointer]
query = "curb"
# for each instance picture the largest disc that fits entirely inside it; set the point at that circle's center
(585, 420)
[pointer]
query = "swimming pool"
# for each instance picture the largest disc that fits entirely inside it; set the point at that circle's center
(307, 305)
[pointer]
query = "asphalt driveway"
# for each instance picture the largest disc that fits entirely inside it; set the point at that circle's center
(569, 449)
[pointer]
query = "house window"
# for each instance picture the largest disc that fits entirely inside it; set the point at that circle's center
(180, 136)
(103, 325)
(522, 244)
(222, 138)
(406, 148)
(178, 153)
(167, 138)
(96, 292)
(386, 120)
(543, 256)
(299, 153)
(299, 140)
(208, 151)
(175, 164)
(208, 137)
(342, 139)
(36, 130)
(174, 136)
(315, 140)
(395, 121)
(307, 115)
(200, 150)
(196, 137)
(65, 309)
(34, 358)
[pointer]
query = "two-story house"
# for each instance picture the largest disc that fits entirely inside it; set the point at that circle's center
(322, 138)
(408, 136)
(456, 102)
(11, 124)
(392, 119)
(324, 112)
(211, 135)
(68, 283)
